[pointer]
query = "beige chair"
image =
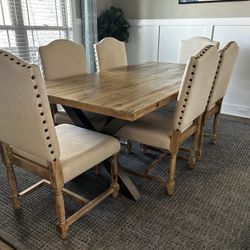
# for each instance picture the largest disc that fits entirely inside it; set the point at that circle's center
(64, 58)
(29, 140)
(110, 53)
(192, 46)
(167, 132)
(228, 56)
(187, 49)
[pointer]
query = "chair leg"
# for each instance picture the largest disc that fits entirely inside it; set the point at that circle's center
(13, 186)
(62, 227)
(11, 177)
(114, 176)
(171, 174)
(194, 149)
(2, 154)
(98, 169)
(215, 126)
(56, 180)
(201, 137)
(129, 146)
(200, 143)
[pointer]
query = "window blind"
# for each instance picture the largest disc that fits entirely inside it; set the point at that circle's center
(27, 24)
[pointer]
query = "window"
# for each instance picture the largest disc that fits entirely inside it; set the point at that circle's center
(27, 24)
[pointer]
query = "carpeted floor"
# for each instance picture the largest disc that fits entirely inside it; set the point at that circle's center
(209, 210)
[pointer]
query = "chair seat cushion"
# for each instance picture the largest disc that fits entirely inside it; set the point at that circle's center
(80, 150)
(154, 130)
(97, 120)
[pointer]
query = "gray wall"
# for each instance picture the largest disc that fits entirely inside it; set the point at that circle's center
(163, 9)
(103, 5)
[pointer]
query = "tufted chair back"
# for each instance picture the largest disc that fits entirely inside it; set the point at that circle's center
(228, 55)
(110, 53)
(195, 87)
(26, 121)
(192, 46)
(62, 58)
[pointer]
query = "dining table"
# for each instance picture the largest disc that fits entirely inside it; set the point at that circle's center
(125, 93)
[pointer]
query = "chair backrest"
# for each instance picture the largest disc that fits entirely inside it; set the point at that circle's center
(192, 46)
(110, 53)
(26, 122)
(228, 55)
(195, 88)
(62, 58)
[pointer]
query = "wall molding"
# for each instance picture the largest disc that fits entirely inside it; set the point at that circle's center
(242, 21)
(236, 110)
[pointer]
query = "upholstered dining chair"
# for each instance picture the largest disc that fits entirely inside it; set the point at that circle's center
(110, 53)
(29, 139)
(191, 46)
(168, 132)
(188, 48)
(228, 56)
(64, 58)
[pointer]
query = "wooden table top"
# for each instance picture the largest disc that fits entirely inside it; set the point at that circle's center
(127, 92)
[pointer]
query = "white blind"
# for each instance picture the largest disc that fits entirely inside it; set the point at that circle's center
(27, 24)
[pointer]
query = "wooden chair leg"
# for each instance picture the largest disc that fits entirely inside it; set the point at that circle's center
(13, 186)
(56, 180)
(114, 176)
(215, 126)
(201, 137)
(2, 154)
(171, 174)
(11, 177)
(200, 143)
(192, 157)
(195, 146)
(195, 153)
(98, 169)
(129, 146)
(62, 227)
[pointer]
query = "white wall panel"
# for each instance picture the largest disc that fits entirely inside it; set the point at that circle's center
(143, 44)
(170, 37)
(238, 94)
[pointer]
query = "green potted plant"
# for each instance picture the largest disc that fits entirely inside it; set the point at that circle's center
(112, 23)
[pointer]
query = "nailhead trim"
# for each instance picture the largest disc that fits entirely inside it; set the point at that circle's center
(35, 87)
(46, 131)
(190, 84)
(217, 71)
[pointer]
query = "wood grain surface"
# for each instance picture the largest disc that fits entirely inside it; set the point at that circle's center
(127, 92)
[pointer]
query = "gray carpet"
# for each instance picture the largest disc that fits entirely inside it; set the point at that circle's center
(209, 210)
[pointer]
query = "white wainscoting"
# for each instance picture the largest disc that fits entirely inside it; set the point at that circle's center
(158, 40)
(143, 38)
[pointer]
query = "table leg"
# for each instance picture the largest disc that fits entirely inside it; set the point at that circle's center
(79, 118)
(127, 186)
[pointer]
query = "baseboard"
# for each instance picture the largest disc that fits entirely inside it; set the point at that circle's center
(236, 110)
